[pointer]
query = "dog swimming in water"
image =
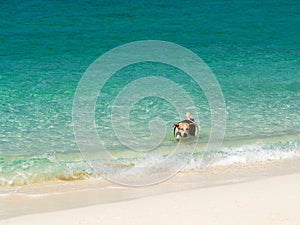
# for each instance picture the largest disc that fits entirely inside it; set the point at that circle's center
(186, 128)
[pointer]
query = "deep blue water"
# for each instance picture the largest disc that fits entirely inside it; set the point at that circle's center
(251, 46)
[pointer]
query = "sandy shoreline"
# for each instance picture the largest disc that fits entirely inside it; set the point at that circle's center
(62, 195)
(266, 193)
(274, 200)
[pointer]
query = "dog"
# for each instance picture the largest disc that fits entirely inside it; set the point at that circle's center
(186, 128)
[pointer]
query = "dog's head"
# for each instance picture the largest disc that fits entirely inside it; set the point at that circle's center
(182, 129)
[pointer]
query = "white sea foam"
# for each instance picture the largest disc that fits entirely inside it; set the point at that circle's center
(251, 153)
(151, 164)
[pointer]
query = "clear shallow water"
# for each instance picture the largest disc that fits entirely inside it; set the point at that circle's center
(252, 48)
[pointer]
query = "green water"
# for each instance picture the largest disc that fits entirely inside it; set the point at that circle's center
(46, 46)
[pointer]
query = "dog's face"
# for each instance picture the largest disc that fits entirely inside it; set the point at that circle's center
(181, 130)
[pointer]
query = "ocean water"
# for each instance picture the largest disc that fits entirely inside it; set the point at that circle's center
(252, 48)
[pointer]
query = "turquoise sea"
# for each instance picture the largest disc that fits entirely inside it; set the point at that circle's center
(252, 47)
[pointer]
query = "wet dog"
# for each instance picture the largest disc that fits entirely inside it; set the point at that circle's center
(186, 128)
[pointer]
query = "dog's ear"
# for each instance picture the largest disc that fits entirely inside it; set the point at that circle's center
(176, 125)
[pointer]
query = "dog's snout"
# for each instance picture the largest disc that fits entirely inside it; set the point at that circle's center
(185, 135)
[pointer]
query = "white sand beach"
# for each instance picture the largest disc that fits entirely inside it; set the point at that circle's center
(269, 201)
